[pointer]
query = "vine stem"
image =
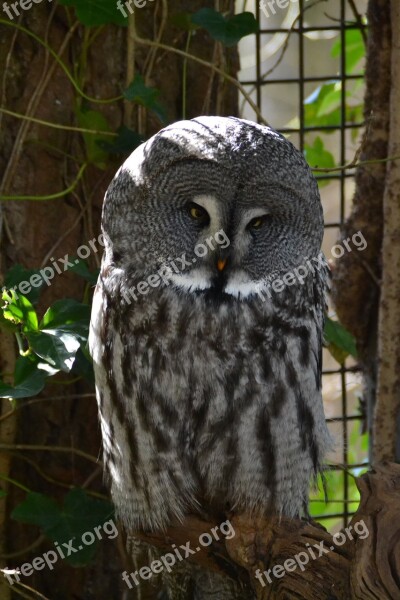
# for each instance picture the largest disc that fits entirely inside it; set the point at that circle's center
(55, 125)
(16, 483)
(61, 194)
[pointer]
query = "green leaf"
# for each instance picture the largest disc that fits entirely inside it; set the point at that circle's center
(354, 49)
(37, 509)
(28, 389)
(340, 341)
(69, 317)
(317, 156)
(64, 312)
(19, 310)
(227, 30)
(18, 274)
(28, 380)
(97, 12)
(55, 346)
(312, 106)
(146, 96)
(93, 119)
(126, 142)
(330, 102)
(79, 515)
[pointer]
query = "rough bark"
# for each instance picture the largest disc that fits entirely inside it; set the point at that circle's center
(363, 563)
(387, 410)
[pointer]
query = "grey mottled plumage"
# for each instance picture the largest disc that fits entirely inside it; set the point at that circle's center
(209, 396)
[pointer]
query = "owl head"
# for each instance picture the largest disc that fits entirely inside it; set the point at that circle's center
(238, 189)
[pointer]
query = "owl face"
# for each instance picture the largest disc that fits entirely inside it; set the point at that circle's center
(223, 203)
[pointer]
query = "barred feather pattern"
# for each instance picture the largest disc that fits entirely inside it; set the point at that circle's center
(209, 404)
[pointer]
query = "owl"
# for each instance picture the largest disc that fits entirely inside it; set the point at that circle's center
(206, 345)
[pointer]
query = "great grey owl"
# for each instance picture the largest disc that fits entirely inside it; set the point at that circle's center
(206, 342)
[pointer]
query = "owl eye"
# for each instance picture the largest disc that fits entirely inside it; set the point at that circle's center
(258, 222)
(198, 213)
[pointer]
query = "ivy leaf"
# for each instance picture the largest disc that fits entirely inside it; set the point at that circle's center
(55, 346)
(64, 312)
(227, 30)
(79, 515)
(97, 12)
(28, 380)
(340, 342)
(69, 317)
(146, 96)
(19, 310)
(126, 142)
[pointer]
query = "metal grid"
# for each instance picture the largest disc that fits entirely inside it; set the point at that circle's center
(345, 416)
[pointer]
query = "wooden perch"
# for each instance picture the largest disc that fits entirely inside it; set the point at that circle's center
(361, 562)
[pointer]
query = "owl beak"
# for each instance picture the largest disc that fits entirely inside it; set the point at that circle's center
(221, 264)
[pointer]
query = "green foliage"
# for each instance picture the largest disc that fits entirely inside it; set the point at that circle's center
(354, 49)
(334, 482)
(340, 342)
(47, 347)
(79, 514)
(227, 30)
(317, 156)
(96, 12)
(322, 108)
(138, 92)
